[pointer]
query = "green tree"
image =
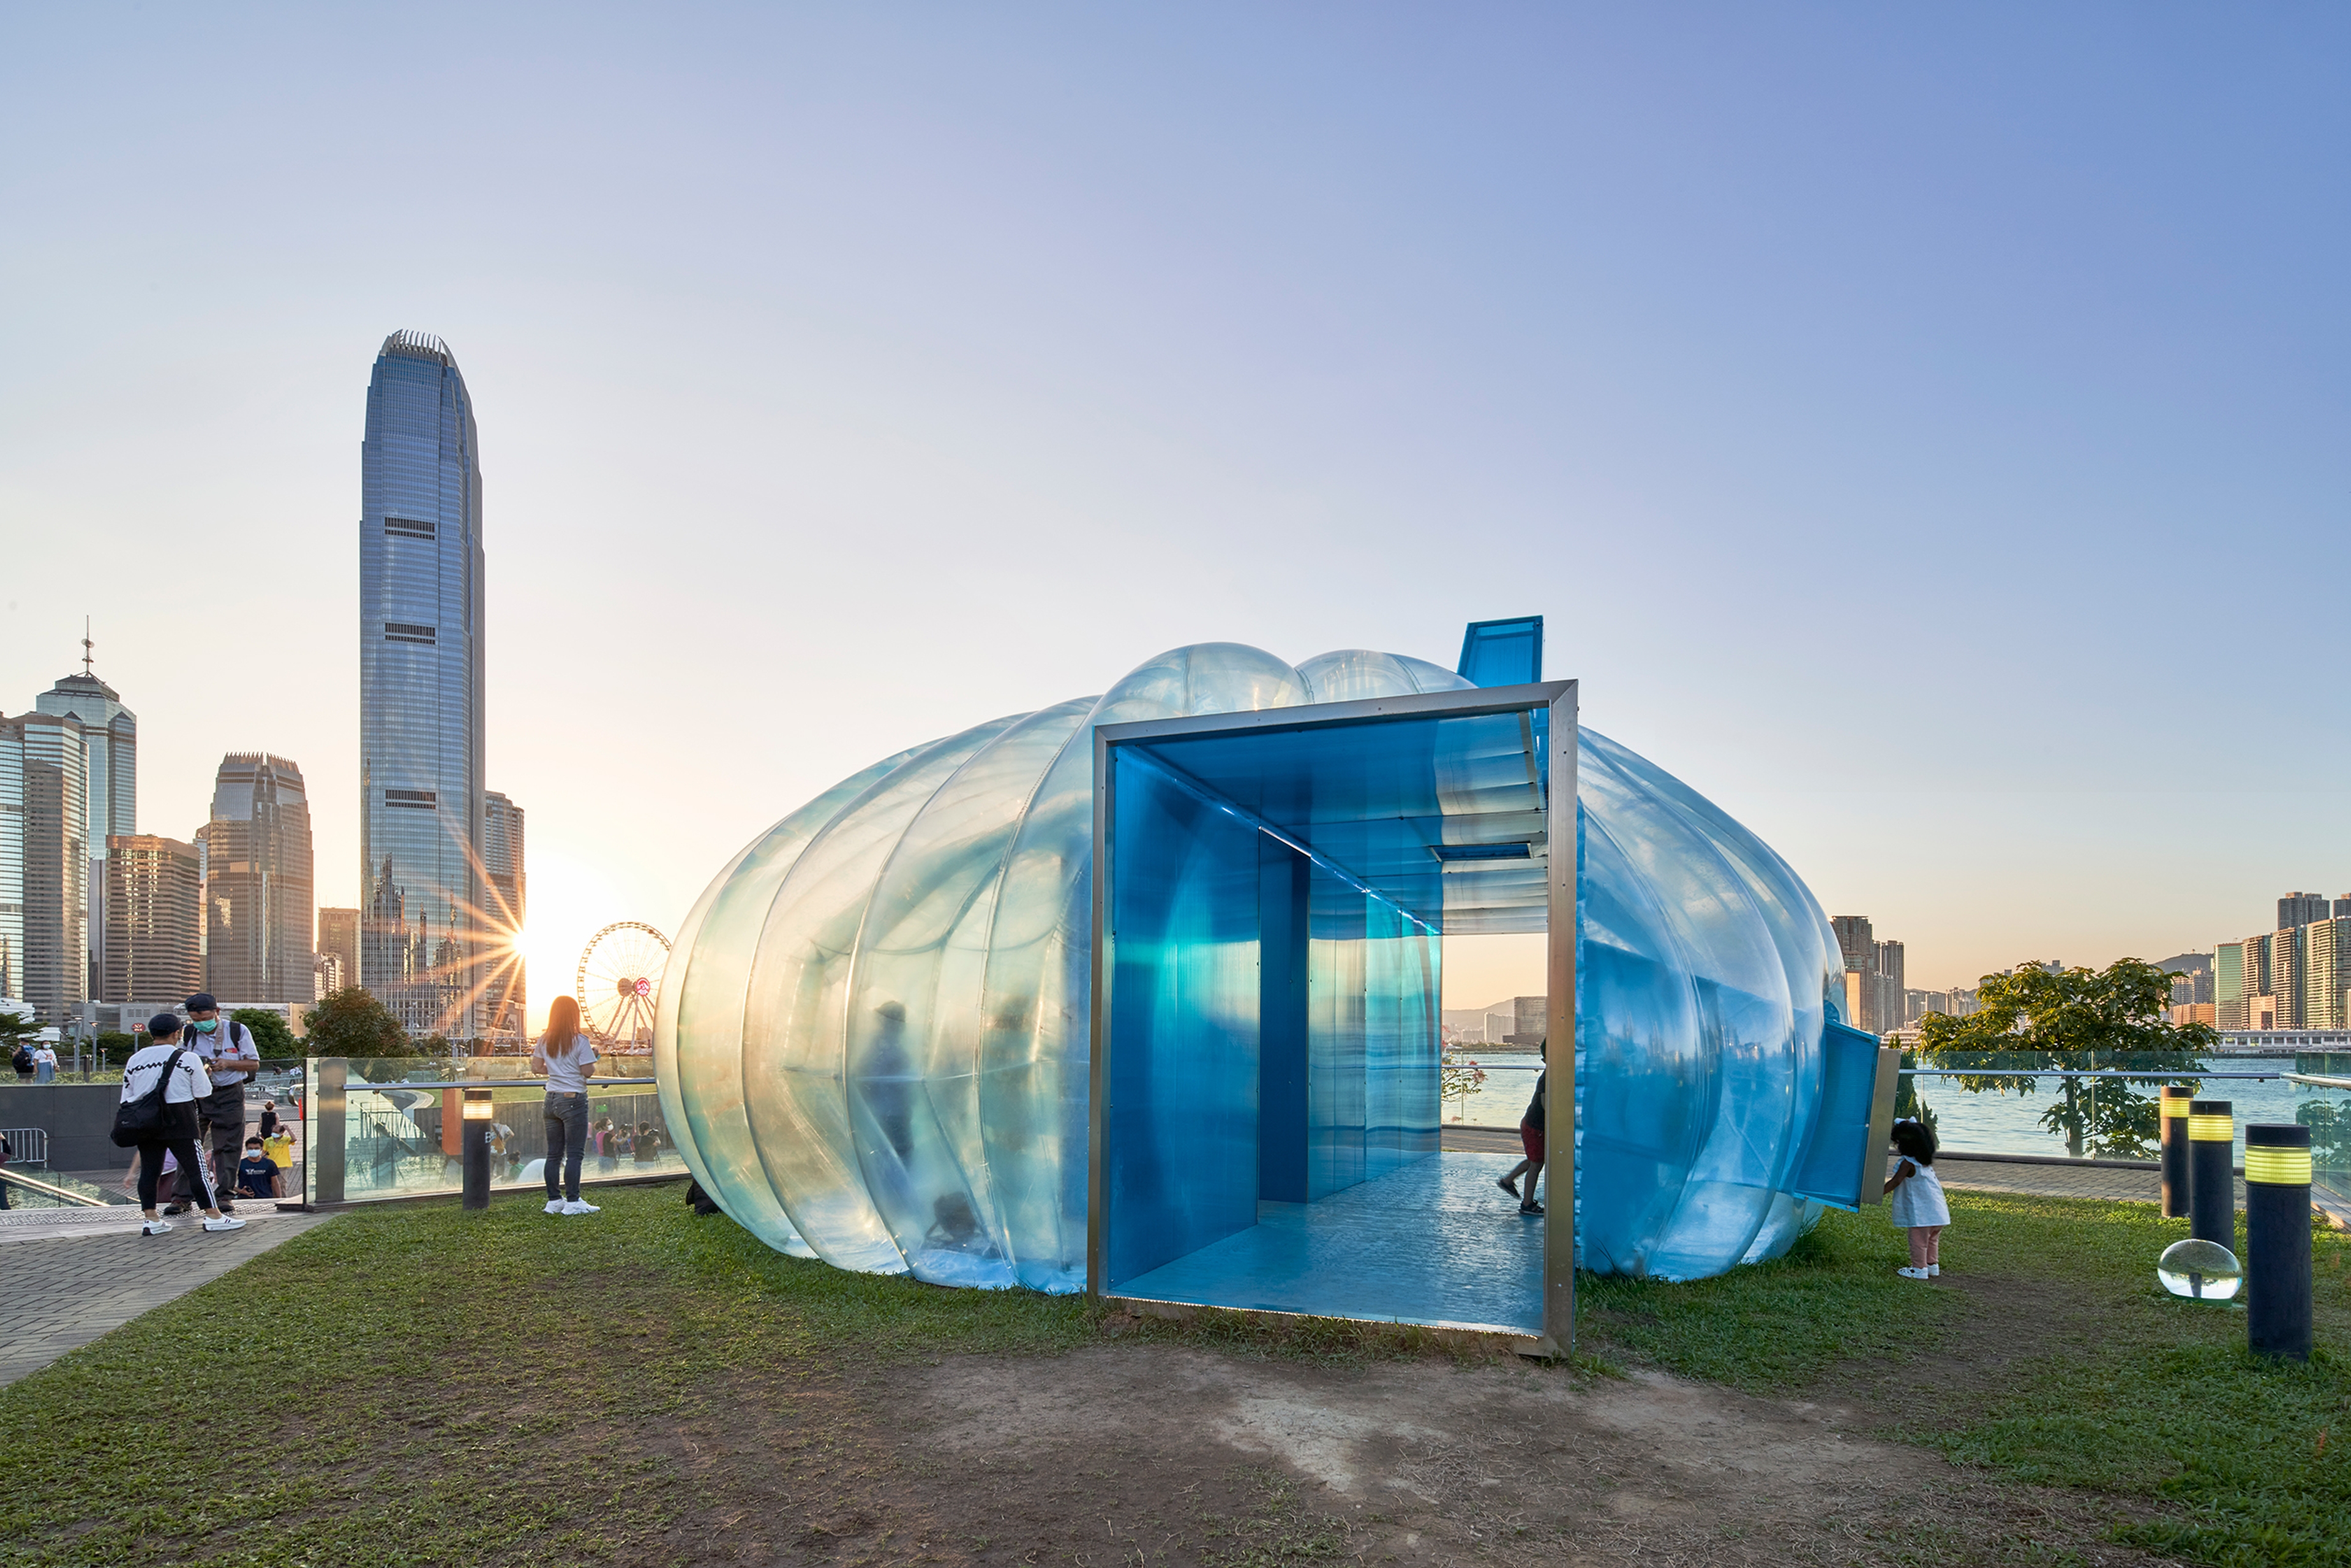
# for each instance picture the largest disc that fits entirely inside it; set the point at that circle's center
(351, 1022)
(270, 1035)
(16, 1028)
(2039, 1016)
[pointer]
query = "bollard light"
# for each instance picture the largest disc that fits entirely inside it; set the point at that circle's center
(2212, 1172)
(2175, 1150)
(2277, 1239)
(477, 1149)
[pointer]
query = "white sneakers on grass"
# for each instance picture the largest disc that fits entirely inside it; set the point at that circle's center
(559, 1206)
(555, 1206)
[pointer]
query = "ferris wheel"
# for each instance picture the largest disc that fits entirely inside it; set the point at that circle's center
(618, 983)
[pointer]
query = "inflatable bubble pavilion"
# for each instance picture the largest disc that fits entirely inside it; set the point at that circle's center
(879, 1041)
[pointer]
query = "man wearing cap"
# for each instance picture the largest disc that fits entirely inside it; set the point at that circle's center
(230, 1057)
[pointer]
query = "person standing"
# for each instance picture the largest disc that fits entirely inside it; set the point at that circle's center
(230, 1058)
(7, 1153)
(186, 1086)
(44, 1063)
(566, 1058)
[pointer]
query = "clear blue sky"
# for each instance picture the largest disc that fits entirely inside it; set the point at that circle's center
(1924, 428)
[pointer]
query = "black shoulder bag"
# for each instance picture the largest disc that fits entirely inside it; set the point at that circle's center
(148, 1119)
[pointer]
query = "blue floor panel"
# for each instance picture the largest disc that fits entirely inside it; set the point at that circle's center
(1434, 1243)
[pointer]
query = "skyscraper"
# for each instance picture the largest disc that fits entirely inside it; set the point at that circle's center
(2302, 908)
(154, 919)
(44, 864)
(110, 760)
(257, 882)
(504, 995)
(339, 947)
(420, 636)
(1855, 940)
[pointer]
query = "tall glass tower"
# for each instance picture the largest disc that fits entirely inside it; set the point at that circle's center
(421, 607)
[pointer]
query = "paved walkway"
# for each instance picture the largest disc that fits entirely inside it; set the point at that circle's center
(69, 1275)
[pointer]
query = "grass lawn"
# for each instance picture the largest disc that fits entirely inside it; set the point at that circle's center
(2047, 1354)
(423, 1386)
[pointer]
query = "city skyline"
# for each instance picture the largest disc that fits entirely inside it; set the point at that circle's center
(793, 389)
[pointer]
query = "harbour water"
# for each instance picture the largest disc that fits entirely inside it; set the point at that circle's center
(1980, 1123)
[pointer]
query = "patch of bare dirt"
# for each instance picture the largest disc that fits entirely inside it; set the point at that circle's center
(1146, 1454)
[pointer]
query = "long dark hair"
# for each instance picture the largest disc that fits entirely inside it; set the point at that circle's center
(1915, 1141)
(562, 1024)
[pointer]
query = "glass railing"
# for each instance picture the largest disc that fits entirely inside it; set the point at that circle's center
(50, 1189)
(2003, 1103)
(392, 1127)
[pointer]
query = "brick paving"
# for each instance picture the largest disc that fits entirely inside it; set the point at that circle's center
(67, 1276)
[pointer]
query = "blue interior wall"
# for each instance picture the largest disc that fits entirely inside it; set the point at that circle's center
(1184, 1071)
(1284, 881)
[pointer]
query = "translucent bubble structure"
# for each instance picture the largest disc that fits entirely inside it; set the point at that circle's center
(872, 1043)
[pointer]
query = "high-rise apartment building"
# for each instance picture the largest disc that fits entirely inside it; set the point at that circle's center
(338, 948)
(504, 995)
(421, 719)
(2325, 973)
(257, 882)
(1876, 1000)
(2302, 908)
(154, 919)
(111, 765)
(2229, 986)
(44, 864)
(1854, 940)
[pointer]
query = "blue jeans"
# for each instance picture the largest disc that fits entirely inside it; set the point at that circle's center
(566, 1140)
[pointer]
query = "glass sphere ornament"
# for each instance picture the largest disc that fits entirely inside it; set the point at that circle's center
(2200, 1271)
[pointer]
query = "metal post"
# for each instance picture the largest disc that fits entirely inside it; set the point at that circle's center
(325, 1153)
(476, 1147)
(2175, 1151)
(2212, 1172)
(2277, 1239)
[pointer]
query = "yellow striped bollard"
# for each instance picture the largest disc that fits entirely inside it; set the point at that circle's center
(2277, 1239)
(2212, 1172)
(2175, 1150)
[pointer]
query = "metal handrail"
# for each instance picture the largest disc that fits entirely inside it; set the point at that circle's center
(2316, 1082)
(81, 1197)
(477, 1083)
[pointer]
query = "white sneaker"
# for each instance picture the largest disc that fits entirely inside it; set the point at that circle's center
(225, 1222)
(1913, 1273)
(1934, 1271)
(555, 1206)
(154, 1227)
(576, 1207)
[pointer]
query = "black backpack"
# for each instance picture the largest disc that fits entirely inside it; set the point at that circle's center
(148, 1119)
(23, 1060)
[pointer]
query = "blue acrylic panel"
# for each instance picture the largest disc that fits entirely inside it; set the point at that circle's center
(1181, 1152)
(1836, 1161)
(1502, 652)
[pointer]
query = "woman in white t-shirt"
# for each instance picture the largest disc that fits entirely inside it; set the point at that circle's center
(566, 1058)
(186, 1085)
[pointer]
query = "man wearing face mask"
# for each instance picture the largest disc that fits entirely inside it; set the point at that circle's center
(231, 1057)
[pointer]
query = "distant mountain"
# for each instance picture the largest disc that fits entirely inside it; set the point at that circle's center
(2187, 963)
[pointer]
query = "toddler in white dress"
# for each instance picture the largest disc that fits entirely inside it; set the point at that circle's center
(1918, 1203)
